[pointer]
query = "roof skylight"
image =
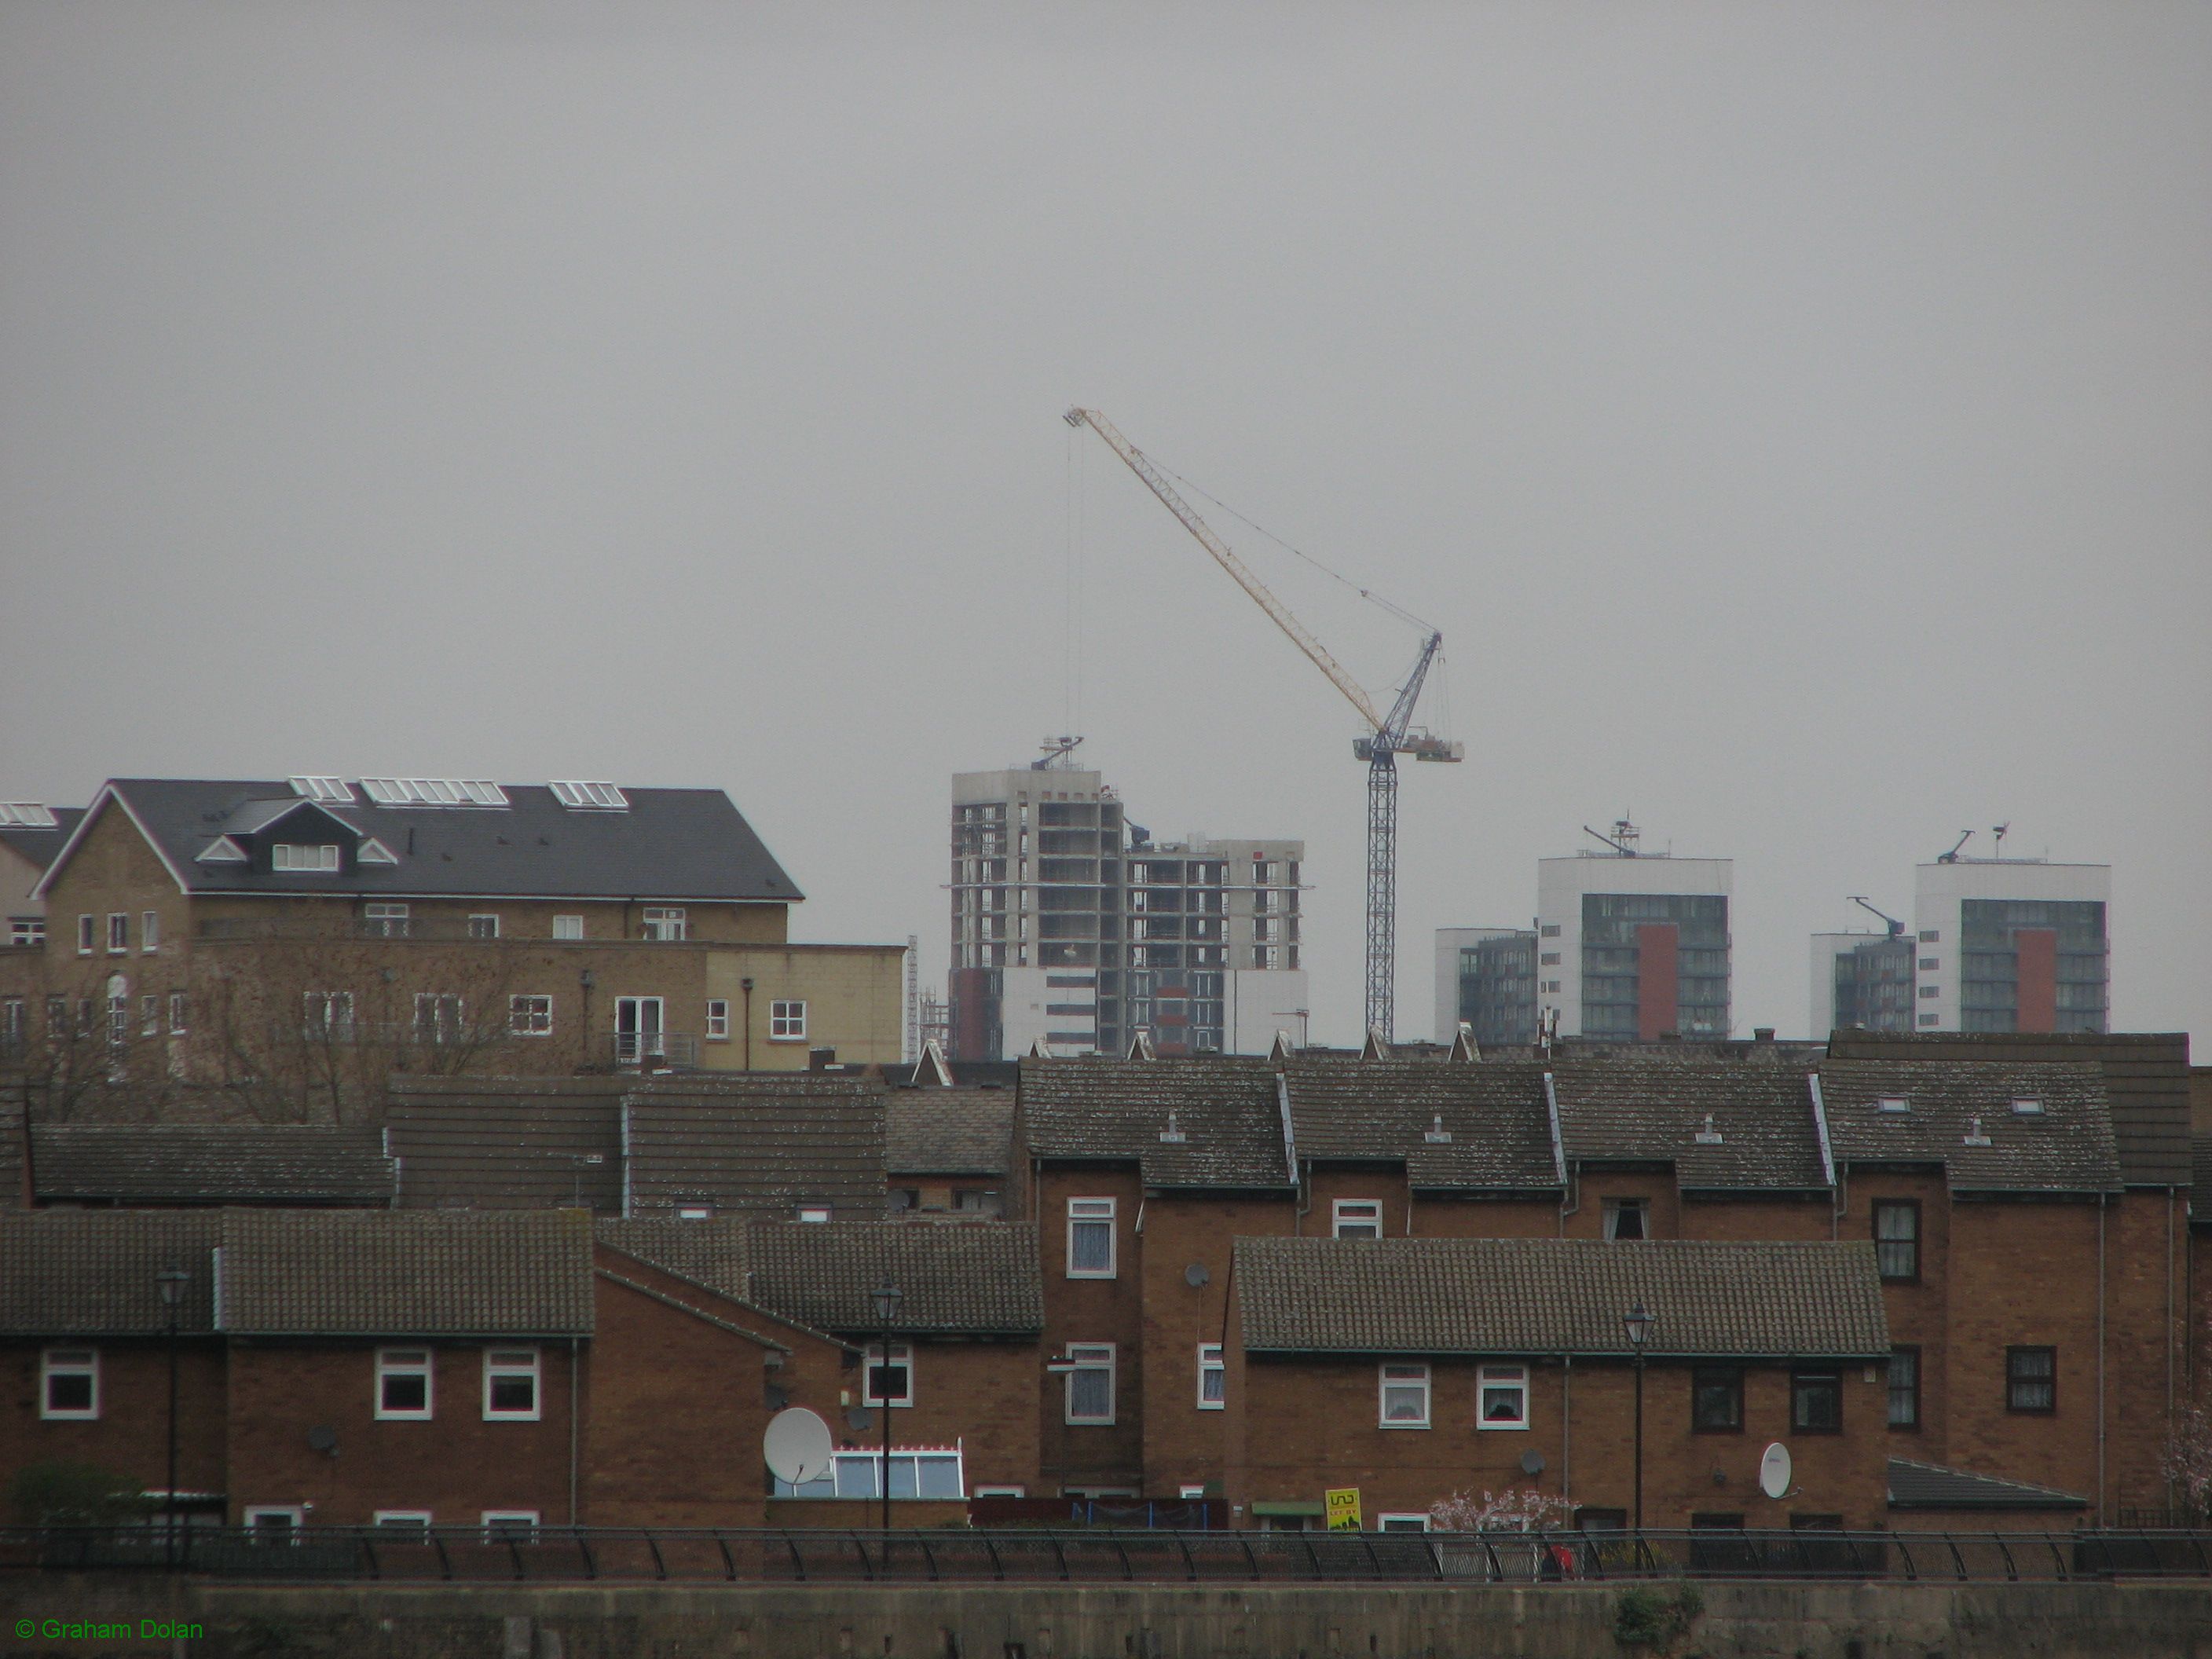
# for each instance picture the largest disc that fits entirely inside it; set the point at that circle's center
(26, 814)
(583, 795)
(331, 792)
(434, 792)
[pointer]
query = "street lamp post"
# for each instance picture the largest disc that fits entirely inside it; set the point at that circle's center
(172, 1281)
(886, 1300)
(1637, 1323)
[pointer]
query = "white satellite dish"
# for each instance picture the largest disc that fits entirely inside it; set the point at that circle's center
(1773, 1470)
(797, 1446)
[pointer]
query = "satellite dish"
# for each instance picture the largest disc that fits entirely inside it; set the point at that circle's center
(1195, 1274)
(1532, 1462)
(797, 1446)
(323, 1437)
(1774, 1471)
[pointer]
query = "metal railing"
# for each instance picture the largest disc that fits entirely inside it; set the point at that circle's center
(959, 1555)
(656, 1049)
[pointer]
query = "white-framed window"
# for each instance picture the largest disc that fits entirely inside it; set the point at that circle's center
(411, 1524)
(1090, 1383)
(1501, 1397)
(274, 1522)
(383, 920)
(326, 1014)
(85, 925)
(786, 1022)
(437, 1016)
(149, 1016)
(695, 1212)
(150, 932)
(665, 922)
(1405, 1395)
(68, 1384)
(1356, 1217)
(178, 1008)
(814, 1212)
(26, 930)
(718, 1019)
(529, 1015)
(403, 1385)
(567, 927)
(920, 1472)
(1090, 1238)
(510, 1385)
(1399, 1520)
(887, 1380)
(484, 925)
(510, 1526)
(1628, 1217)
(321, 861)
(1212, 1377)
(119, 933)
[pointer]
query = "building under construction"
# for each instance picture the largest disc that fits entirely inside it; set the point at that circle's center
(1074, 930)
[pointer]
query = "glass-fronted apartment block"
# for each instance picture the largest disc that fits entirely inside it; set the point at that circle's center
(2012, 945)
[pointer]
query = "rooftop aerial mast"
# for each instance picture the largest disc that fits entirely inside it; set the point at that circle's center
(1390, 734)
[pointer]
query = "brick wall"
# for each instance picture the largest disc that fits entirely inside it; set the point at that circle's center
(131, 1436)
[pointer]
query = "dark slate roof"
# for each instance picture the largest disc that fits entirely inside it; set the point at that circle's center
(1098, 1109)
(671, 844)
(958, 1277)
(714, 1252)
(762, 1142)
(40, 845)
(1652, 1111)
(2146, 1082)
(949, 1131)
(508, 1142)
(93, 1273)
(1542, 1295)
(210, 1164)
(1496, 1115)
(399, 1273)
(11, 1155)
(1916, 1486)
(2065, 1148)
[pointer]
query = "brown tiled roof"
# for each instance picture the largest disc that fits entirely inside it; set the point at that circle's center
(1548, 1295)
(1498, 1124)
(760, 1142)
(211, 1163)
(2146, 1081)
(1227, 1112)
(11, 1155)
(2200, 1194)
(977, 1278)
(403, 1272)
(2066, 1147)
(949, 1131)
(93, 1273)
(714, 1251)
(1653, 1111)
(508, 1142)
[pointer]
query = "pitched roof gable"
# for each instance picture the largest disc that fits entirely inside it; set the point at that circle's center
(94, 1272)
(1468, 1127)
(1959, 1114)
(1724, 1126)
(210, 1164)
(1226, 1111)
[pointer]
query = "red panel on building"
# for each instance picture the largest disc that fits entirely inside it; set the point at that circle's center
(2037, 1001)
(968, 989)
(1657, 944)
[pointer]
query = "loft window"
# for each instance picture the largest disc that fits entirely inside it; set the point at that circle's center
(1356, 1217)
(1816, 1402)
(403, 1384)
(1405, 1392)
(2027, 1106)
(1897, 1240)
(510, 1385)
(786, 1022)
(314, 860)
(2032, 1380)
(887, 1378)
(665, 922)
(1502, 1397)
(814, 1212)
(1892, 1104)
(718, 1019)
(1628, 1217)
(1090, 1383)
(1090, 1238)
(1212, 1378)
(567, 927)
(530, 1016)
(1716, 1399)
(483, 926)
(68, 1384)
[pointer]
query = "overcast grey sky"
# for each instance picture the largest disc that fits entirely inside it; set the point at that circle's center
(1798, 419)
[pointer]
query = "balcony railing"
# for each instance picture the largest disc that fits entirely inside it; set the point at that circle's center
(656, 1050)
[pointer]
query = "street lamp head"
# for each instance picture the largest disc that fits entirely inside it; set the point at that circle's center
(173, 1281)
(886, 1300)
(1637, 1323)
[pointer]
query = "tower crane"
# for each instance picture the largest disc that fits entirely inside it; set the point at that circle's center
(1388, 736)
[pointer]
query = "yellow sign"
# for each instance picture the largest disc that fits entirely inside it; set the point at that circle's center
(1343, 1507)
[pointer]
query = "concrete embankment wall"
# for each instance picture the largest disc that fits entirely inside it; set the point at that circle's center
(384, 1621)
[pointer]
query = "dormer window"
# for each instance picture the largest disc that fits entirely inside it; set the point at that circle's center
(321, 861)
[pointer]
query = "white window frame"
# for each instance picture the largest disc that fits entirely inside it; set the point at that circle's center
(1211, 1364)
(567, 927)
(300, 859)
(1402, 1375)
(178, 1010)
(1487, 1377)
(407, 1362)
(718, 1019)
(500, 1362)
(254, 1518)
(502, 1526)
(814, 1212)
(1092, 1212)
(1402, 1521)
(1089, 1358)
(407, 1521)
(436, 1030)
(149, 932)
(667, 923)
(119, 933)
(385, 919)
(1355, 1213)
(529, 1013)
(900, 1354)
(1612, 1209)
(87, 925)
(68, 1362)
(787, 1020)
(483, 924)
(26, 930)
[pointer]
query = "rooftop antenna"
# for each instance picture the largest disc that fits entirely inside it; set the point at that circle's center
(1999, 832)
(1058, 752)
(1623, 839)
(1952, 857)
(1896, 927)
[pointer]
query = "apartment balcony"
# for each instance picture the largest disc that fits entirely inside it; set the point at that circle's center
(655, 1051)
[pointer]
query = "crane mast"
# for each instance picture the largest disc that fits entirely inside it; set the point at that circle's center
(1390, 735)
